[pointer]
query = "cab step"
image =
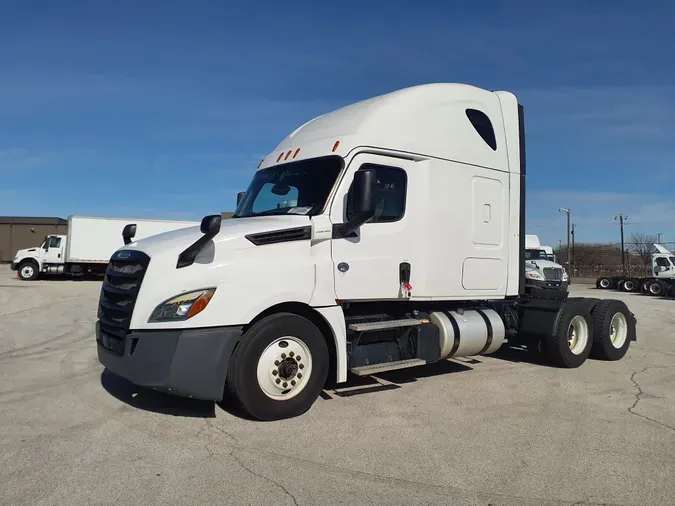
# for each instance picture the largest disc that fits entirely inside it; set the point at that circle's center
(386, 324)
(367, 370)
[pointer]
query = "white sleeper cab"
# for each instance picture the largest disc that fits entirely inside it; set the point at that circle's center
(661, 283)
(384, 235)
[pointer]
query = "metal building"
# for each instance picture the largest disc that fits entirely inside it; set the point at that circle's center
(19, 232)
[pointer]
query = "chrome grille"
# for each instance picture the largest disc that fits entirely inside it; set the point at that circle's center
(121, 285)
(553, 273)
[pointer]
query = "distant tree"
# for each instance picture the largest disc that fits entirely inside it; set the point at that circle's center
(642, 246)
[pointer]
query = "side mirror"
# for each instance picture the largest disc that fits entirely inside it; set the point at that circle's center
(363, 199)
(240, 196)
(210, 225)
(128, 233)
(46, 246)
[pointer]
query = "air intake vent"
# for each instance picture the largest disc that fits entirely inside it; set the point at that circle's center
(288, 235)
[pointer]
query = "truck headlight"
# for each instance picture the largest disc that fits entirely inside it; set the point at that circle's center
(534, 275)
(183, 306)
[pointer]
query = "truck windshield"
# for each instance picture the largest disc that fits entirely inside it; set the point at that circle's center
(294, 188)
(535, 254)
(672, 260)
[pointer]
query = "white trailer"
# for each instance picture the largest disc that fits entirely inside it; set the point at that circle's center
(384, 235)
(87, 247)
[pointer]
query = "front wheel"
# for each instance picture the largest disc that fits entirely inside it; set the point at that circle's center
(28, 271)
(570, 343)
(279, 368)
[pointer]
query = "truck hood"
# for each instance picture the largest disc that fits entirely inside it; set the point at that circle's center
(23, 253)
(541, 264)
(232, 235)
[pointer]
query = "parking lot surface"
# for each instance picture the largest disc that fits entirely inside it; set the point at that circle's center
(491, 430)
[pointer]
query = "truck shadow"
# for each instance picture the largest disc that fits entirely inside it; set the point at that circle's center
(392, 380)
(154, 401)
(520, 354)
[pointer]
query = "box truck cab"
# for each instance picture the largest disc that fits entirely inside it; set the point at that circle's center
(87, 247)
(540, 270)
(31, 261)
(383, 235)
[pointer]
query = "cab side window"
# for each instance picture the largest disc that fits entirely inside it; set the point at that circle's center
(662, 262)
(390, 194)
(54, 242)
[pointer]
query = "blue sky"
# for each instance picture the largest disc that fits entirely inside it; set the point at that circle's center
(163, 109)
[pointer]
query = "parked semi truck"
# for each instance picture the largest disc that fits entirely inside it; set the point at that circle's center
(549, 254)
(384, 235)
(661, 283)
(540, 270)
(87, 247)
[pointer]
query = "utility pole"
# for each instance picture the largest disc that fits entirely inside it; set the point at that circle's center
(573, 252)
(569, 213)
(658, 240)
(621, 219)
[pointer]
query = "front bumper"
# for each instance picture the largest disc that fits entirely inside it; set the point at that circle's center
(14, 266)
(189, 363)
(547, 284)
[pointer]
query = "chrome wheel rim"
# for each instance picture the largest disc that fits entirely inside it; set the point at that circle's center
(27, 271)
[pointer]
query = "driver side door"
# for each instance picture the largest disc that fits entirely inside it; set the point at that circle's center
(367, 265)
(54, 255)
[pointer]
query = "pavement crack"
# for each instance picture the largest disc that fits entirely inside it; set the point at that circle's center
(270, 480)
(638, 397)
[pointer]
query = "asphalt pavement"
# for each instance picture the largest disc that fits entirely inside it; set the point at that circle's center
(493, 430)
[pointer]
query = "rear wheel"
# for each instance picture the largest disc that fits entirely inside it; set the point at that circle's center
(28, 271)
(571, 342)
(657, 288)
(644, 287)
(279, 368)
(603, 283)
(629, 285)
(613, 330)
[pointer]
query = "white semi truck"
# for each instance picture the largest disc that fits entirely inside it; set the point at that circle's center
(87, 247)
(661, 283)
(540, 270)
(384, 235)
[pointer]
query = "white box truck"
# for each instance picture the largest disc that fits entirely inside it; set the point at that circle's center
(384, 235)
(87, 247)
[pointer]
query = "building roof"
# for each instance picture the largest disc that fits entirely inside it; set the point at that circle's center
(32, 220)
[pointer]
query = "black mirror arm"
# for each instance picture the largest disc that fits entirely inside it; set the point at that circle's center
(347, 229)
(210, 227)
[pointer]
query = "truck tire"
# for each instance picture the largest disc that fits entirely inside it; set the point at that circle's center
(657, 288)
(570, 343)
(644, 287)
(279, 368)
(28, 271)
(604, 283)
(629, 285)
(613, 330)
